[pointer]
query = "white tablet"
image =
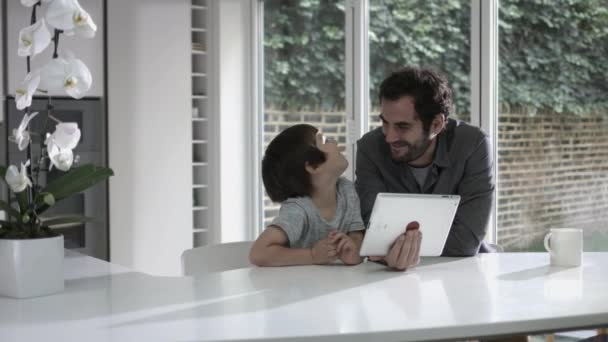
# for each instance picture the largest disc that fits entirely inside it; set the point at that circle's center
(392, 212)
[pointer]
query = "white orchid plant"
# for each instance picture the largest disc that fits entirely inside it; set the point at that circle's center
(67, 75)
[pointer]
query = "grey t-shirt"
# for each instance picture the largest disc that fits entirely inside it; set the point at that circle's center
(302, 221)
(420, 173)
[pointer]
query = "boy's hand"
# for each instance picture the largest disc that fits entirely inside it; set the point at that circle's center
(345, 247)
(323, 252)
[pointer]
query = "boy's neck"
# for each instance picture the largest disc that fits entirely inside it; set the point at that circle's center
(324, 193)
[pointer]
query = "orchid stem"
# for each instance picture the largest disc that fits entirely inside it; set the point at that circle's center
(30, 168)
(33, 18)
(54, 118)
(56, 42)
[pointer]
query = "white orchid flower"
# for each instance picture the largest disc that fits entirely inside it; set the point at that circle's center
(21, 135)
(66, 136)
(60, 158)
(66, 74)
(30, 3)
(16, 180)
(61, 143)
(33, 39)
(69, 16)
(23, 94)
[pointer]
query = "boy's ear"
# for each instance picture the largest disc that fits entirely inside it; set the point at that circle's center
(311, 169)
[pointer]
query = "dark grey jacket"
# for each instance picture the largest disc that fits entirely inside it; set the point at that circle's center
(463, 165)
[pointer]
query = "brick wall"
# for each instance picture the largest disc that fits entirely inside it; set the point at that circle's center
(552, 170)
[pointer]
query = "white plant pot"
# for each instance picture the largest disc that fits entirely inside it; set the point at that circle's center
(31, 268)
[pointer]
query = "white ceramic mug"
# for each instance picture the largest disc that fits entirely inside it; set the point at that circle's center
(565, 246)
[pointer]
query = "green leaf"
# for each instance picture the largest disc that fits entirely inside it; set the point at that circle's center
(75, 181)
(10, 210)
(45, 198)
(22, 200)
(64, 221)
(7, 224)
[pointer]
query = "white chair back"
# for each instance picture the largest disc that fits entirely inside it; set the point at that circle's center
(498, 248)
(214, 258)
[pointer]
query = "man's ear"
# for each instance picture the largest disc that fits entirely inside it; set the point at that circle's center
(438, 124)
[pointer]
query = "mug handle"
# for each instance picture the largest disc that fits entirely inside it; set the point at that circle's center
(546, 243)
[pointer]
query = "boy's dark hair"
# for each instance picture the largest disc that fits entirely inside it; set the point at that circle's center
(430, 90)
(283, 167)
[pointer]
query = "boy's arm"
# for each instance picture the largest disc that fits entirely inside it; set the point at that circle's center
(272, 249)
(348, 246)
(357, 237)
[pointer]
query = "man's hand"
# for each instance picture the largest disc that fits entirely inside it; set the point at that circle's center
(323, 252)
(405, 251)
(346, 248)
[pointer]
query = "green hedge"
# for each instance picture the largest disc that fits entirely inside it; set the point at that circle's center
(553, 53)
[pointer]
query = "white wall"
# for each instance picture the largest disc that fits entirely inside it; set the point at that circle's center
(90, 51)
(149, 135)
(235, 125)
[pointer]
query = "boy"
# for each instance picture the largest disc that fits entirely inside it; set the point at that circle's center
(320, 219)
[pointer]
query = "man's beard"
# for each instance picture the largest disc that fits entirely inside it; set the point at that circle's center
(414, 151)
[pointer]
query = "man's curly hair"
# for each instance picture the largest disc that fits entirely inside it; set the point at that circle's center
(430, 90)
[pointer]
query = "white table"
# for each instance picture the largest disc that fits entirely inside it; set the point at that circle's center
(443, 298)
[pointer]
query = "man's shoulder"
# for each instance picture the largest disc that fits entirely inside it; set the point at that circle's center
(464, 135)
(371, 140)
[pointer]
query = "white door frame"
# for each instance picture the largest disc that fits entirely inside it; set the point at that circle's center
(484, 79)
(357, 77)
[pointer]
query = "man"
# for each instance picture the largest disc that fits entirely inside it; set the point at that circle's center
(419, 149)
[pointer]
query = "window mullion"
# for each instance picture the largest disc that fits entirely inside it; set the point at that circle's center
(357, 77)
(484, 76)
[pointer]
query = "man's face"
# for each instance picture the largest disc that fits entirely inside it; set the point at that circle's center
(403, 130)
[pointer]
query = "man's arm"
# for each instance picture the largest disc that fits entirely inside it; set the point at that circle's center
(368, 183)
(476, 191)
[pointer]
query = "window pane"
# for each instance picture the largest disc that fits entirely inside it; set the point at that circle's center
(421, 32)
(552, 129)
(304, 79)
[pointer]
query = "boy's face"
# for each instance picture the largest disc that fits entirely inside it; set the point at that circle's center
(335, 163)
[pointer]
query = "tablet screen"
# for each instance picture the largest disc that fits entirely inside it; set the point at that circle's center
(392, 212)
